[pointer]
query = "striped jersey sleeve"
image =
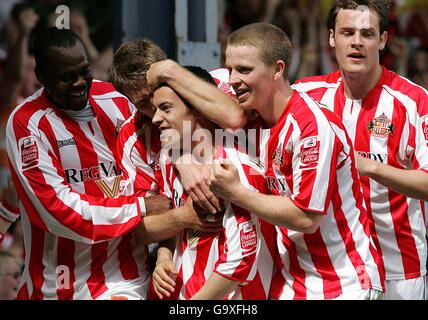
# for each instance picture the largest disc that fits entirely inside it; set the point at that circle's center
(238, 259)
(137, 148)
(251, 241)
(306, 145)
(241, 236)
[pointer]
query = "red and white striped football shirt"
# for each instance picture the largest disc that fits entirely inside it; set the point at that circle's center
(390, 125)
(138, 147)
(240, 252)
(309, 158)
(76, 227)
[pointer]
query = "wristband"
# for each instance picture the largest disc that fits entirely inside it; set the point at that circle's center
(142, 204)
(9, 212)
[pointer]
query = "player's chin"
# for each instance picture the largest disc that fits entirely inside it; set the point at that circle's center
(247, 104)
(77, 103)
(355, 68)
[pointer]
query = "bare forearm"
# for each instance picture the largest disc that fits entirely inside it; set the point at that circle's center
(156, 205)
(156, 228)
(412, 183)
(216, 288)
(92, 51)
(206, 98)
(166, 249)
(278, 210)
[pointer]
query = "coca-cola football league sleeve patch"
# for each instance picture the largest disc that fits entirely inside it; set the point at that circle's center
(248, 236)
(29, 152)
(309, 153)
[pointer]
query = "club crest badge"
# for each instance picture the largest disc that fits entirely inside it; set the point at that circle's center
(119, 124)
(381, 126)
(278, 157)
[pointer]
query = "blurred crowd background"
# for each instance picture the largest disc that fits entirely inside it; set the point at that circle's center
(303, 20)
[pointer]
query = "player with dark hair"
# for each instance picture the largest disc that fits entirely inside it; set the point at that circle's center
(234, 263)
(61, 145)
(386, 117)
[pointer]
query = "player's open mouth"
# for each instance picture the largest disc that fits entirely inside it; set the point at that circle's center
(164, 132)
(78, 94)
(241, 94)
(356, 56)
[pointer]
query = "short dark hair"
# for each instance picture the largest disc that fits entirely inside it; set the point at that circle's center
(381, 7)
(272, 42)
(53, 38)
(200, 73)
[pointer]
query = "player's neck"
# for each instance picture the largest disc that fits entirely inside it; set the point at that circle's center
(273, 111)
(358, 86)
(204, 146)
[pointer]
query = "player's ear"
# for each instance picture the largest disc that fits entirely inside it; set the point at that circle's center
(383, 40)
(279, 69)
(39, 75)
(331, 39)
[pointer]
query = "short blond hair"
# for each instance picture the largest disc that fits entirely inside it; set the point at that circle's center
(272, 42)
(131, 62)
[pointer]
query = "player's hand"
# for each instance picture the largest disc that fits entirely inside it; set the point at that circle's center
(364, 165)
(158, 71)
(164, 278)
(198, 219)
(27, 20)
(195, 178)
(79, 24)
(157, 204)
(225, 180)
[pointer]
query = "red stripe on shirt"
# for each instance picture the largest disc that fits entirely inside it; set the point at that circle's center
(96, 281)
(406, 242)
(87, 155)
(65, 254)
(323, 264)
(296, 271)
(349, 242)
(197, 279)
(36, 267)
(127, 263)
(23, 292)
